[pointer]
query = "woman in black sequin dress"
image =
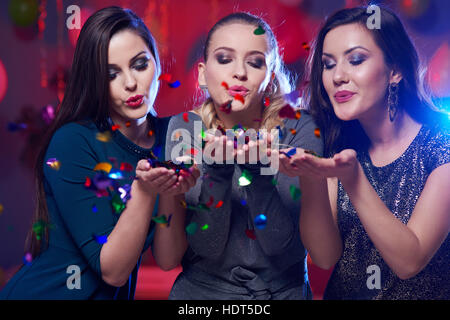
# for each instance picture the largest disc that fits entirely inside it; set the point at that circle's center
(378, 208)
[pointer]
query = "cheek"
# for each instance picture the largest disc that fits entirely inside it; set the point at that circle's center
(372, 82)
(327, 81)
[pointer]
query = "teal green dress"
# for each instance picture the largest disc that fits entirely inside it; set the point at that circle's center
(80, 218)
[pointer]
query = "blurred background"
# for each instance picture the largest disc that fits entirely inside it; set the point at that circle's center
(36, 50)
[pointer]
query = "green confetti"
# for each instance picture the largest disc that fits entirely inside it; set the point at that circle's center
(245, 179)
(191, 228)
(160, 219)
(274, 181)
(259, 31)
(295, 192)
(117, 204)
(205, 227)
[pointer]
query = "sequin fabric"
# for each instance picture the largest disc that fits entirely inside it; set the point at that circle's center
(399, 185)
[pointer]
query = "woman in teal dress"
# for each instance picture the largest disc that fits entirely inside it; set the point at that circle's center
(98, 197)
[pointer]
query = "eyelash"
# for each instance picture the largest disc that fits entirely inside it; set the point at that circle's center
(354, 62)
(255, 64)
(139, 67)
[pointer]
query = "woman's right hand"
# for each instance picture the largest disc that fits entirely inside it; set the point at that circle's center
(154, 180)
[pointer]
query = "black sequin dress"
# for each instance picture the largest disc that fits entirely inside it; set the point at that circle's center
(399, 185)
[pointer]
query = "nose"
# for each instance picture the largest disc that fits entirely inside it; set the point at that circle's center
(130, 82)
(340, 75)
(240, 71)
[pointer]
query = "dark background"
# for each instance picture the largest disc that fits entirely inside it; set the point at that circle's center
(29, 55)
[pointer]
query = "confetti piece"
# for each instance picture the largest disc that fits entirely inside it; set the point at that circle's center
(245, 179)
(288, 112)
(210, 202)
(165, 77)
(103, 136)
(293, 131)
(175, 84)
(88, 182)
(292, 97)
(306, 46)
(205, 227)
(290, 153)
(266, 101)
(115, 127)
(115, 174)
(191, 228)
(125, 192)
(250, 233)
(124, 166)
(48, 114)
(240, 98)
(317, 132)
(103, 166)
(243, 202)
(53, 163)
(260, 221)
(219, 204)
(101, 181)
(160, 220)
(39, 227)
(27, 259)
(94, 208)
(274, 181)
(100, 239)
(150, 133)
(295, 192)
(225, 85)
(183, 203)
(259, 31)
(128, 124)
(185, 117)
(117, 204)
(1, 208)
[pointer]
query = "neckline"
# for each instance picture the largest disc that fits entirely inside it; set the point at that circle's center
(410, 146)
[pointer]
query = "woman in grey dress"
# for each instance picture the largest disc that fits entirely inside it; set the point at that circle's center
(242, 224)
(378, 207)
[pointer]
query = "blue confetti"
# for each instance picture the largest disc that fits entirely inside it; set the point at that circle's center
(100, 239)
(260, 221)
(175, 84)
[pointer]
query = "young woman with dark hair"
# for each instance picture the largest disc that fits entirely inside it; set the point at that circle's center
(96, 191)
(246, 245)
(375, 209)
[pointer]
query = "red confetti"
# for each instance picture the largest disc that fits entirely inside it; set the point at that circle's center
(126, 167)
(293, 131)
(88, 182)
(250, 234)
(219, 204)
(288, 112)
(166, 77)
(128, 124)
(193, 151)
(150, 133)
(239, 98)
(266, 101)
(115, 127)
(317, 132)
(210, 202)
(185, 117)
(225, 85)
(305, 46)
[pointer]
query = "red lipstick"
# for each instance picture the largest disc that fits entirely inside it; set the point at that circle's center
(135, 101)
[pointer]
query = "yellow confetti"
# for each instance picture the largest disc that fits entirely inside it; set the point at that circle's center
(103, 136)
(103, 166)
(1, 208)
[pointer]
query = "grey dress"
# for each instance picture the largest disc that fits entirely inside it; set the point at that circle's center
(399, 185)
(230, 258)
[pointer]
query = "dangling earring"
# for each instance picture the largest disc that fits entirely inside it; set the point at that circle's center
(203, 87)
(393, 100)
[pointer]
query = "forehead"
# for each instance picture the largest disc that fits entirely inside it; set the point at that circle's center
(344, 37)
(240, 37)
(125, 44)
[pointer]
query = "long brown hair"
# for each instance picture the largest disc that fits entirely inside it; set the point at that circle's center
(398, 51)
(86, 95)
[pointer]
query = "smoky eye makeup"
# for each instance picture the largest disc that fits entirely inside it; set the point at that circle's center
(141, 63)
(257, 62)
(357, 58)
(222, 58)
(327, 63)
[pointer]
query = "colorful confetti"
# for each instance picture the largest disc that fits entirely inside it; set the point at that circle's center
(293, 131)
(27, 259)
(290, 153)
(53, 163)
(260, 221)
(160, 219)
(115, 174)
(100, 239)
(117, 204)
(289, 112)
(204, 227)
(124, 166)
(103, 166)
(225, 85)
(259, 31)
(295, 192)
(306, 46)
(219, 204)
(245, 179)
(150, 133)
(250, 234)
(94, 208)
(128, 124)
(103, 136)
(243, 202)
(317, 132)
(240, 98)
(191, 228)
(115, 127)
(175, 84)
(165, 77)
(266, 101)
(186, 117)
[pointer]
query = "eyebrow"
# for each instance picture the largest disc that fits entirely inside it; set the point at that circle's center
(346, 51)
(231, 49)
(131, 60)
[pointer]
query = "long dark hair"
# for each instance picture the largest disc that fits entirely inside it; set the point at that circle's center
(399, 53)
(86, 95)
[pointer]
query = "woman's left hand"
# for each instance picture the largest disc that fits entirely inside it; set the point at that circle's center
(343, 165)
